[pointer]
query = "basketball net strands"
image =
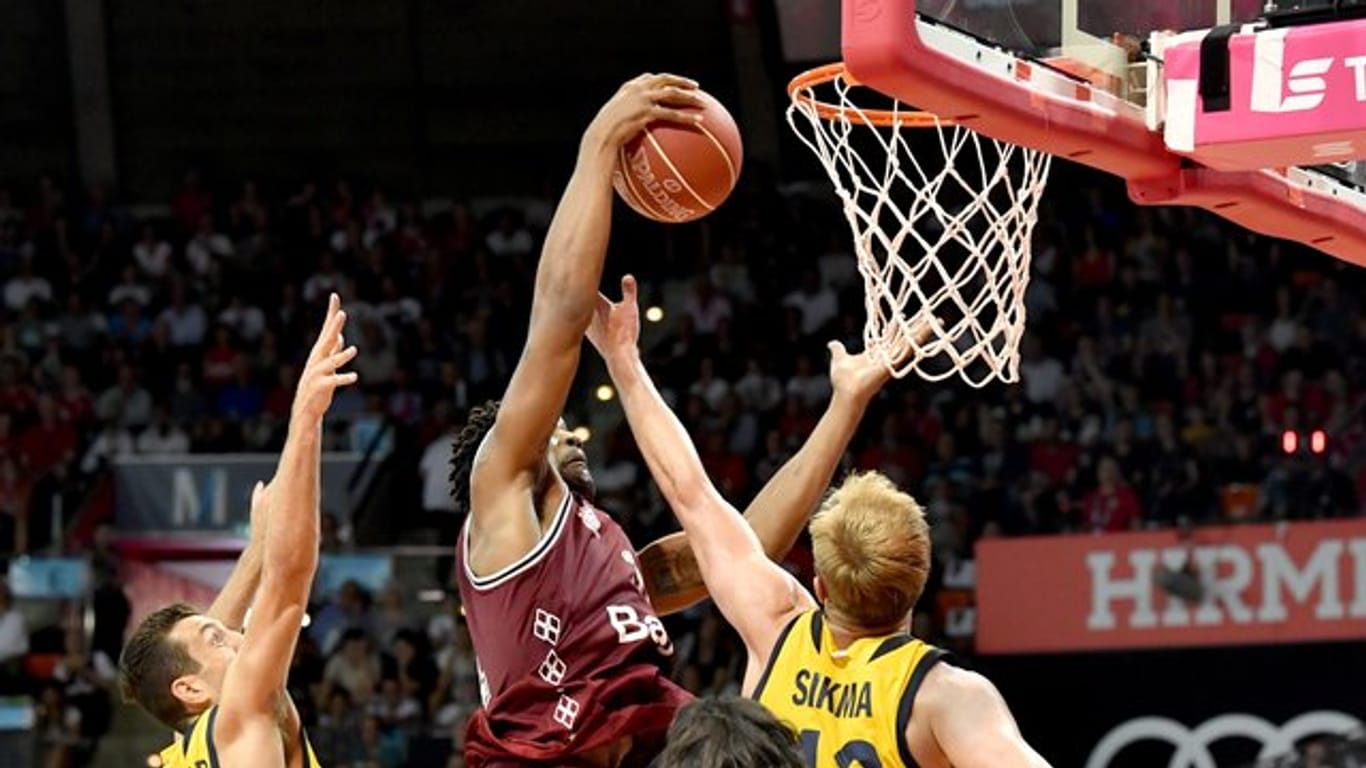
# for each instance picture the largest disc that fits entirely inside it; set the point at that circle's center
(942, 221)
(942, 228)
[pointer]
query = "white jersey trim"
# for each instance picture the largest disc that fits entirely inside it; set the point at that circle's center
(537, 553)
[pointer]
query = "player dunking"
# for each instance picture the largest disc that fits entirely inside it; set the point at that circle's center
(561, 608)
(844, 671)
(198, 673)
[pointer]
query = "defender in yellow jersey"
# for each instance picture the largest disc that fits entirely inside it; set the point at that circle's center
(842, 668)
(222, 688)
(853, 704)
(195, 747)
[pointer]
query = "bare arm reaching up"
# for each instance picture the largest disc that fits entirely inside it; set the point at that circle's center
(788, 499)
(246, 727)
(231, 604)
(511, 463)
(754, 594)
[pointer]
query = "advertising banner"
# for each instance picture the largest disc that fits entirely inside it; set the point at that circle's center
(212, 493)
(1274, 583)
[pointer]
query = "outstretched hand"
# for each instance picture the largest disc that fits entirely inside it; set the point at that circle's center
(641, 101)
(862, 375)
(615, 328)
(320, 379)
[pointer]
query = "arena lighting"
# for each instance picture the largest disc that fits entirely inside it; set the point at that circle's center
(654, 314)
(1318, 441)
(154, 760)
(430, 596)
(1290, 441)
(307, 620)
(604, 392)
(584, 434)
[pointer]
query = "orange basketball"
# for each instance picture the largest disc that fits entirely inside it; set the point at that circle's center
(675, 173)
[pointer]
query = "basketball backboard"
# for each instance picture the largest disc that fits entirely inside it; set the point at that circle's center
(1091, 33)
(1094, 81)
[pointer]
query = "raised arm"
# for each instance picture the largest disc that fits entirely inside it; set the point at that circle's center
(788, 499)
(249, 697)
(753, 593)
(512, 459)
(231, 604)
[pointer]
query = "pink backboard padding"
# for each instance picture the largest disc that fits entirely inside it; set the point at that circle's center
(1297, 97)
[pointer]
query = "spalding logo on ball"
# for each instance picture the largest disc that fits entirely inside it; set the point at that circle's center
(675, 173)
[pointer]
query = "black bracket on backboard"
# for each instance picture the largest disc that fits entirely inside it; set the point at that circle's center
(1214, 68)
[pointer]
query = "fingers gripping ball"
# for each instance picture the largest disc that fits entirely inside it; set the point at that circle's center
(675, 173)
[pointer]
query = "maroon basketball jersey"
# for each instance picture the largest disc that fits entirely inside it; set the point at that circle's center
(568, 646)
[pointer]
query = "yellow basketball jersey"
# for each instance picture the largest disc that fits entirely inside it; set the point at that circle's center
(850, 707)
(195, 748)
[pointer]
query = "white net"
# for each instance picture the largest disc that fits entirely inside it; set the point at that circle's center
(942, 219)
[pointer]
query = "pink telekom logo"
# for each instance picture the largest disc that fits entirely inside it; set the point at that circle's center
(1305, 86)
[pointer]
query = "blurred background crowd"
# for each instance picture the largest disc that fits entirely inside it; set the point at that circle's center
(1177, 372)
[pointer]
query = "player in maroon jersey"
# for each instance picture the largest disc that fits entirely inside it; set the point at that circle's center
(562, 610)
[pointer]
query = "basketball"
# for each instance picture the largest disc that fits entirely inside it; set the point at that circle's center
(675, 173)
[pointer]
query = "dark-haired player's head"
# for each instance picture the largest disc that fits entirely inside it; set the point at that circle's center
(728, 732)
(564, 454)
(174, 664)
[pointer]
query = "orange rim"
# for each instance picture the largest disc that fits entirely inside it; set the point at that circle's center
(802, 86)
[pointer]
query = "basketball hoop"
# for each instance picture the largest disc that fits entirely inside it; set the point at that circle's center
(941, 227)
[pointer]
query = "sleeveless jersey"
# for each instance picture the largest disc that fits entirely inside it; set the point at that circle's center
(195, 748)
(567, 646)
(851, 707)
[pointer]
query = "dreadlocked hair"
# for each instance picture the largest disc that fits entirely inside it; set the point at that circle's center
(466, 445)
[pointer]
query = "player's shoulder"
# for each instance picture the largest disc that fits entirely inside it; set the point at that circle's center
(948, 688)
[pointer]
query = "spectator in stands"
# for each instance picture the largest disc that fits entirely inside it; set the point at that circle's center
(113, 441)
(353, 667)
(390, 616)
(185, 320)
(163, 436)
(152, 253)
(78, 326)
(246, 321)
(57, 730)
(394, 708)
(706, 307)
(815, 301)
(337, 736)
(126, 401)
(1041, 375)
(26, 287)
(207, 248)
(13, 630)
(809, 386)
(13, 642)
(380, 747)
(1111, 505)
(349, 609)
(16, 493)
(511, 237)
(88, 679)
(130, 289)
(50, 443)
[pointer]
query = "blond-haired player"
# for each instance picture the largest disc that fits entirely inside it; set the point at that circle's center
(841, 667)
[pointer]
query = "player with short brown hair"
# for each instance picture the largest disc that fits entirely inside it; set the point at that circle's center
(219, 686)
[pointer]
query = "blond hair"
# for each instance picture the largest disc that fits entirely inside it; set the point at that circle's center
(872, 550)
